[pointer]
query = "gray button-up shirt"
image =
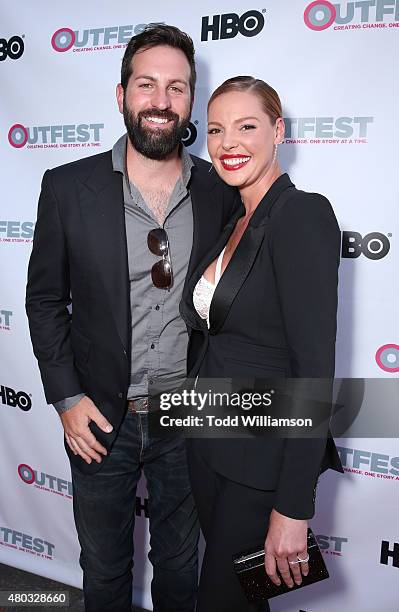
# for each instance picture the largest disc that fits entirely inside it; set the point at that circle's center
(159, 335)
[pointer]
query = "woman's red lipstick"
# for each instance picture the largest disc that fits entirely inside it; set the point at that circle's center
(234, 162)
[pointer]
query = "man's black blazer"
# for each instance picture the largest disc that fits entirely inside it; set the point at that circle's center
(273, 314)
(80, 255)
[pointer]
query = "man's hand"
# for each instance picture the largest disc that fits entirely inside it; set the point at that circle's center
(286, 538)
(77, 433)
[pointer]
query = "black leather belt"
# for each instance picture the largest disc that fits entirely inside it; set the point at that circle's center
(138, 406)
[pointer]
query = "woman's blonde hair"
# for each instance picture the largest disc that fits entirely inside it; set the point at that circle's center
(268, 96)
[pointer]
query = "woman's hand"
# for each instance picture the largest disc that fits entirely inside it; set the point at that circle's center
(286, 538)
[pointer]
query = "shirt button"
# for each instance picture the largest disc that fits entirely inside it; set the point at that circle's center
(152, 346)
(120, 395)
(157, 307)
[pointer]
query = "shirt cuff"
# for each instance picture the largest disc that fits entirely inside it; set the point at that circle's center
(67, 403)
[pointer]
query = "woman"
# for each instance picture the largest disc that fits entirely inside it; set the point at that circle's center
(263, 303)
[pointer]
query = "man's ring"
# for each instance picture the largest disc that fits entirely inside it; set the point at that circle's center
(300, 560)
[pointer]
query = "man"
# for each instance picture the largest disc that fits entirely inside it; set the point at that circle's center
(116, 235)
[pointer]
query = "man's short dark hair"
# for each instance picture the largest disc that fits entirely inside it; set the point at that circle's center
(155, 35)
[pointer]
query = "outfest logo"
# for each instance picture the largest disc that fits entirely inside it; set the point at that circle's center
(55, 485)
(25, 542)
(355, 15)
(5, 319)
(96, 39)
(331, 545)
(45, 482)
(16, 231)
(55, 136)
(327, 130)
(368, 463)
(387, 358)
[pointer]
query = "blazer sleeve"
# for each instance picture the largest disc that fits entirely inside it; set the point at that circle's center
(48, 298)
(306, 250)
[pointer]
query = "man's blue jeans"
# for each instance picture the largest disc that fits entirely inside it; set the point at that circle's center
(104, 509)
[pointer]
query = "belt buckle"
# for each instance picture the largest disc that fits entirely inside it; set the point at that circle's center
(138, 406)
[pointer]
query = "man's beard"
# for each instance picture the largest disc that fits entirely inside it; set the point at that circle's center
(152, 142)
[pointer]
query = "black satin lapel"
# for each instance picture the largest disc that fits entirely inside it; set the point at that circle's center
(213, 252)
(240, 263)
(234, 275)
(103, 213)
(200, 192)
(187, 310)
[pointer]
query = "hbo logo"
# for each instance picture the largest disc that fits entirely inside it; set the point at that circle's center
(373, 245)
(229, 24)
(20, 399)
(12, 48)
(190, 135)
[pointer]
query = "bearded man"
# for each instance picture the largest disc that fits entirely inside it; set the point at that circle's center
(116, 236)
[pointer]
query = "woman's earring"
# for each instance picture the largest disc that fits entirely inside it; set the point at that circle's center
(210, 169)
(275, 153)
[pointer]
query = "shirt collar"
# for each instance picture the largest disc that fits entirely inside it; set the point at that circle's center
(119, 159)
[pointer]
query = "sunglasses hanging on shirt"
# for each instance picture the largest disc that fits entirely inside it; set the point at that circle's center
(161, 271)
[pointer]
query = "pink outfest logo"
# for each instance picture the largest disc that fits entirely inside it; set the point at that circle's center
(26, 473)
(17, 135)
(63, 39)
(320, 15)
(96, 39)
(352, 15)
(387, 358)
(45, 482)
(55, 136)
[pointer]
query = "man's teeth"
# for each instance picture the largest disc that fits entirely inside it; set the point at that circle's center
(157, 119)
(235, 161)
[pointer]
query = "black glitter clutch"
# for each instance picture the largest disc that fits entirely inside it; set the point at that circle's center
(250, 569)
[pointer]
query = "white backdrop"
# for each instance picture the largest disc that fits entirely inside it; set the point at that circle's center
(334, 68)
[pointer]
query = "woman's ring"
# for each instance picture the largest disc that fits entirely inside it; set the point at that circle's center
(300, 560)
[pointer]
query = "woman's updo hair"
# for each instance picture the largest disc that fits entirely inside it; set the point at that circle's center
(268, 96)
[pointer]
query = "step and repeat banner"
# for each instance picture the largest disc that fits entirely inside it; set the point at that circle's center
(335, 68)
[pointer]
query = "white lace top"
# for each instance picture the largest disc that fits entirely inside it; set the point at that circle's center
(204, 290)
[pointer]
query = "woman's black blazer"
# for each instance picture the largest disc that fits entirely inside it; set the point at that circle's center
(273, 314)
